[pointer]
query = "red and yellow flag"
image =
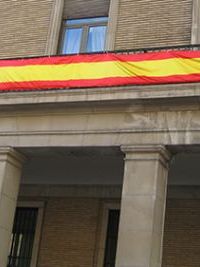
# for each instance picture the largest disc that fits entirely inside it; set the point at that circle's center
(99, 70)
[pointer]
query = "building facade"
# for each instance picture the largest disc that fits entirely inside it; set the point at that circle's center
(99, 177)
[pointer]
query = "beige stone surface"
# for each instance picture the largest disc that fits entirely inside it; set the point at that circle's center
(137, 212)
(4, 246)
(10, 169)
(135, 249)
(112, 25)
(137, 121)
(54, 27)
(142, 212)
(195, 36)
(7, 208)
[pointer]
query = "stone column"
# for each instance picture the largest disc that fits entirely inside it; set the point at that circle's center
(10, 172)
(142, 206)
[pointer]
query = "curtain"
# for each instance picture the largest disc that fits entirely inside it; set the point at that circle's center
(72, 41)
(96, 38)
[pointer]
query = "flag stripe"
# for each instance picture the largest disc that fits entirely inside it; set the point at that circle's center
(100, 70)
(68, 59)
(117, 81)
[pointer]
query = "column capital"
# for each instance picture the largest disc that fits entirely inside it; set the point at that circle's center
(146, 152)
(12, 156)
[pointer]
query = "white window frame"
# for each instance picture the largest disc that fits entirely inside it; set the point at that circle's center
(103, 230)
(36, 243)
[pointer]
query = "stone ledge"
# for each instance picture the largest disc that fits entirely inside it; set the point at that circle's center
(101, 94)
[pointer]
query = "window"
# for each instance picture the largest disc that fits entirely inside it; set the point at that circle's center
(22, 237)
(84, 35)
(111, 239)
(25, 237)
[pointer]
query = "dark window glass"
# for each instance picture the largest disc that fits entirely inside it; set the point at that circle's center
(22, 237)
(111, 240)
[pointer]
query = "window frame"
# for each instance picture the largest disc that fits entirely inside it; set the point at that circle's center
(40, 206)
(85, 33)
(103, 231)
(54, 33)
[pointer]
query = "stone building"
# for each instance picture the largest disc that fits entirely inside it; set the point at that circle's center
(101, 177)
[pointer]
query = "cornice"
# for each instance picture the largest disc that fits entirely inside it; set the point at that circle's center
(102, 95)
(12, 156)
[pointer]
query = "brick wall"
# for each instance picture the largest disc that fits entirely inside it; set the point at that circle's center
(24, 27)
(147, 23)
(86, 8)
(182, 233)
(141, 23)
(69, 233)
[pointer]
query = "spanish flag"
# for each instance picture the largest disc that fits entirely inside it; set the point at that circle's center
(99, 70)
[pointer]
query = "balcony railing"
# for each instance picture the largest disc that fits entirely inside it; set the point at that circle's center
(103, 69)
(193, 47)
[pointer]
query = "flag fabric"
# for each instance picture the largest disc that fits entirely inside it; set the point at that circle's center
(99, 70)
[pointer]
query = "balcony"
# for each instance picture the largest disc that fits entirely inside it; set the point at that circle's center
(96, 91)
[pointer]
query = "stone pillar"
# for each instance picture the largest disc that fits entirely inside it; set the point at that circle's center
(54, 27)
(195, 31)
(10, 172)
(112, 25)
(142, 206)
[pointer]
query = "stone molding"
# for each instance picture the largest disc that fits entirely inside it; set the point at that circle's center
(128, 93)
(12, 156)
(54, 27)
(147, 153)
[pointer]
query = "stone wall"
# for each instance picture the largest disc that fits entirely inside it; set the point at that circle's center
(69, 233)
